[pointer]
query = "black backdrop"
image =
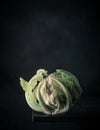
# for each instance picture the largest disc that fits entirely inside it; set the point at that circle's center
(47, 35)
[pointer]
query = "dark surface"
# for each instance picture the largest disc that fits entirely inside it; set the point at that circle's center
(49, 35)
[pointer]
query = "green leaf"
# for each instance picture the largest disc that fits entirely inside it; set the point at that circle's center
(23, 83)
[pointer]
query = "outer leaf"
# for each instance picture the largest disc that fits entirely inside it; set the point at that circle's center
(23, 83)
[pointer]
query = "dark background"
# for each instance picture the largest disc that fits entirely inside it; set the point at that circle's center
(49, 35)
